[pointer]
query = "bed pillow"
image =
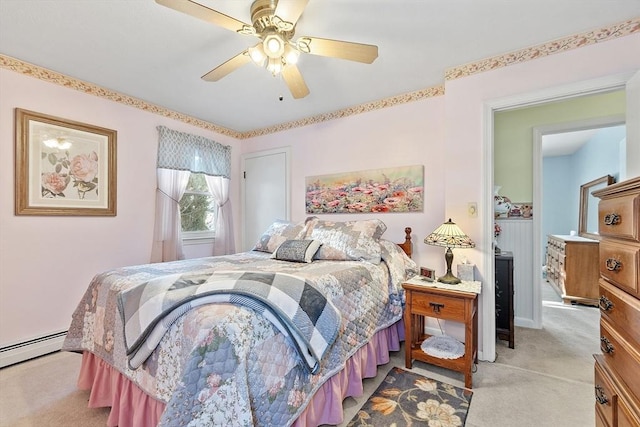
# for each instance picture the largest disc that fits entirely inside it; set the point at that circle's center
(296, 250)
(277, 233)
(347, 241)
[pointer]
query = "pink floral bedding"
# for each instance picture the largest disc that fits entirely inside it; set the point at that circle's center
(223, 364)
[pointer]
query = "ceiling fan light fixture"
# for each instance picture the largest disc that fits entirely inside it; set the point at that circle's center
(273, 45)
(274, 66)
(257, 55)
(291, 54)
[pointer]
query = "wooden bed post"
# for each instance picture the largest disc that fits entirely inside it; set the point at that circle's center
(406, 246)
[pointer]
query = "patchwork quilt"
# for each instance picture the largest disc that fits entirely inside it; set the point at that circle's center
(296, 307)
(226, 363)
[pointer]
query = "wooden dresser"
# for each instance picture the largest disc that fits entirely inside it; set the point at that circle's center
(572, 268)
(617, 368)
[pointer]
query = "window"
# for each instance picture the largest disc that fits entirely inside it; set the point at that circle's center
(197, 209)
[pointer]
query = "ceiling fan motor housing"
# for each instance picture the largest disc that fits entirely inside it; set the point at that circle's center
(265, 21)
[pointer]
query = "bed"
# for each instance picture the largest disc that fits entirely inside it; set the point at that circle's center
(200, 342)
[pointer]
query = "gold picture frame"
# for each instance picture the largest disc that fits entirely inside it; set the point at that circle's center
(63, 167)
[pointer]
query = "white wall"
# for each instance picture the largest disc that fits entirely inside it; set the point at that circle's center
(449, 129)
(404, 135)
(468, 135)
(46, 263)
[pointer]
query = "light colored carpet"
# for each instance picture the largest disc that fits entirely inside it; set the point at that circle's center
(547, 380)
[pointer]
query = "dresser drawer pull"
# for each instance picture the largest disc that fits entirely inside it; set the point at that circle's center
(436, 306)
(612, 219)
(605, 303)
(606, 346)
(601, 397)
(613, 264)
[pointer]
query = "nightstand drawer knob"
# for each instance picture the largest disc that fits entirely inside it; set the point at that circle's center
(436, 306)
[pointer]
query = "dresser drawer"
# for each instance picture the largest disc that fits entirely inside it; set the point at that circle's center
(620, 264)
(604, 396)
(621, 309)
(438, 306)
(619, 217)
(626, 416)
(621, 355)
(600, 421)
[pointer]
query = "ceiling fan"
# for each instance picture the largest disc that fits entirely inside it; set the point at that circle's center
(274, 23)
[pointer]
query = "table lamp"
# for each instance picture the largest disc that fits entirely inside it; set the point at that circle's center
(449, 235)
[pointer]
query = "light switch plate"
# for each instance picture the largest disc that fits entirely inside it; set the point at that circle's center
(472, 208)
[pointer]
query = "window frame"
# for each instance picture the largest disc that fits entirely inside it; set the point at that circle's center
(200, 236)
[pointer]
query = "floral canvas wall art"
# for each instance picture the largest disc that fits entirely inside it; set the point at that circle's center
(398, 189)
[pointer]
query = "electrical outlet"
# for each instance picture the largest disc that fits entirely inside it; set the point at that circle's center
(472, 209)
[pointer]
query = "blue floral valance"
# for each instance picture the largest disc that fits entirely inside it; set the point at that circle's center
(183, 151)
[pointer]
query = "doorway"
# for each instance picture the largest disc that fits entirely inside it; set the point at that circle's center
(607, 84)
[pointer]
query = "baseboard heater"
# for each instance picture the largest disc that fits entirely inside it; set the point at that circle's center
(26, 350)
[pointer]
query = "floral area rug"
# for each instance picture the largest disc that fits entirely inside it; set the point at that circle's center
(408, 399)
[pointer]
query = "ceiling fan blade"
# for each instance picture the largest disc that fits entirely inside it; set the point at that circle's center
(359, 52)
(290, 10)
(295, 82)
(231, 65)
(206, 14)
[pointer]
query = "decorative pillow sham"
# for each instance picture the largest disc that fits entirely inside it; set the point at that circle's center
(296, 250)
(347, 241)
(277, 233)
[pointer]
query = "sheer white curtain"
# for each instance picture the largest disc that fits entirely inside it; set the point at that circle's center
(168, 228)
(180, 154)
(224, 242)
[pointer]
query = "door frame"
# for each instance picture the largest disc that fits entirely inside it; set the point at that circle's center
(490, 107)
(281, 150)
(538, 199)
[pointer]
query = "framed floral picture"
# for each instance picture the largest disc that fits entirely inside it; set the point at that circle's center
(63, 167)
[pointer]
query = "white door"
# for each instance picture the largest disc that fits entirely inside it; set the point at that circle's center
(266, 190)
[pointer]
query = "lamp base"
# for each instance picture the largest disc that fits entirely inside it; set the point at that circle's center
(449, 279)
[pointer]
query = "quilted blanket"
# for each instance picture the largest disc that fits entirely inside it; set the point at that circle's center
(296, 307)
(226, 364)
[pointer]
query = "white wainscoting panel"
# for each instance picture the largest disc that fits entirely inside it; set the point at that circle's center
(517, 237)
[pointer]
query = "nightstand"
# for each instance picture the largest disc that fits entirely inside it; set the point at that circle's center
(446, 302)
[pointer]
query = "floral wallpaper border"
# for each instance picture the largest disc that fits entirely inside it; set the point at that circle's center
(91, 89)
(561, 45)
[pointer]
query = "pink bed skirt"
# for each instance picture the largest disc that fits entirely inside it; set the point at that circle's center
(131, 407)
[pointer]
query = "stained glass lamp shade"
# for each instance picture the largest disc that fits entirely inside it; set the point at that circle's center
(449, 235)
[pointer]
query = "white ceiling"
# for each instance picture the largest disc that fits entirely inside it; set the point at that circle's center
(565, 143)
(148, 51)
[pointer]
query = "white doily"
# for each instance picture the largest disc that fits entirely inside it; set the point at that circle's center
(443, 346)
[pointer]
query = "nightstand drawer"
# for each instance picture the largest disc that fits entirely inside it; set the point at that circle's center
(438, 306)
